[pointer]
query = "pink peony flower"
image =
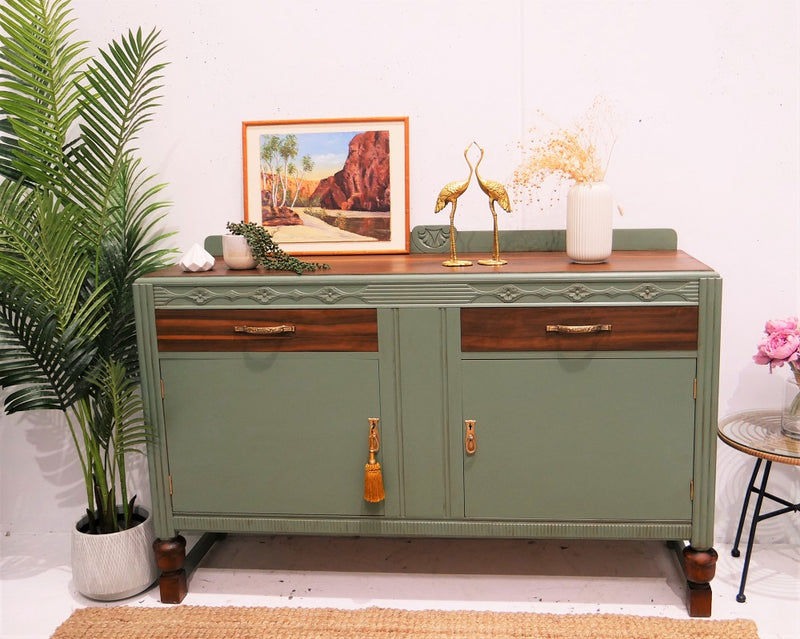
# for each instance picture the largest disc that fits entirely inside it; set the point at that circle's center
(781, 345)
(777, 325)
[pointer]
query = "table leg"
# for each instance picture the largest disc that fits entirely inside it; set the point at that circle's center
(176, 566)
(735, 549)
(699, 567)
(170, 557)
(759, 500)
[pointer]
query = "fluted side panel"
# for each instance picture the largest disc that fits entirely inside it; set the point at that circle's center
(454, 528)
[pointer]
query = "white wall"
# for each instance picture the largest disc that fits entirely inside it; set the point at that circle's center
(709, 145)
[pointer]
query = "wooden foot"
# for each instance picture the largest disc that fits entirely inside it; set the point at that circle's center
(170, 557)
(698, 599)
(699, 566)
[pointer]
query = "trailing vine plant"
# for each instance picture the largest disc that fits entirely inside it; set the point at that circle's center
(267, 252)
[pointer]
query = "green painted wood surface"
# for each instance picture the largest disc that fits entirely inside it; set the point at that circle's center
(157, 457)
(435, 239)
(270, 433)
(286, 474)
(580, 438)
(706, 409)
(532, 240)
(422, 383)
(392, 527)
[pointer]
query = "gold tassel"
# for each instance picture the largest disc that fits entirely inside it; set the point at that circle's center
(373, 483)
(373, 478)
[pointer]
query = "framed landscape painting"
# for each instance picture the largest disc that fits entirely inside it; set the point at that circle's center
(329, 186)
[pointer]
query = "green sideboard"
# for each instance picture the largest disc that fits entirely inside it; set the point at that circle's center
(538, 399)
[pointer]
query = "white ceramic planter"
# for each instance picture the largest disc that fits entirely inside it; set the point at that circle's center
(590, 212)
(117, 565)
(236, 252)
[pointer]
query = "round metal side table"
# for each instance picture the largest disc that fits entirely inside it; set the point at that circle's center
(758, 433)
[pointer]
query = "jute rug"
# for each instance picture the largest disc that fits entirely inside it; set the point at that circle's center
(200, 622)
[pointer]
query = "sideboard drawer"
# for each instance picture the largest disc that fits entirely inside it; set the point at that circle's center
(254, 330)
(605, 328)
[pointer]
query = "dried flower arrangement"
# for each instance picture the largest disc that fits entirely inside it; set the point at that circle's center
(572, 154)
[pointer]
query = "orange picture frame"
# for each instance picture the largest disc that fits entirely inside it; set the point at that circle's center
(329, 186)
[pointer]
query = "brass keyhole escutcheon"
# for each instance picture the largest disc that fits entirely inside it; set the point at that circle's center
(470, 438)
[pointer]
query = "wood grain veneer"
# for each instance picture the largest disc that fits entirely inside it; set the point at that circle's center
(334, 330)
(427, 264)
(632, 328)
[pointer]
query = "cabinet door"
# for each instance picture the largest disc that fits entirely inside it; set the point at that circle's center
(580, 438)
(270, 433)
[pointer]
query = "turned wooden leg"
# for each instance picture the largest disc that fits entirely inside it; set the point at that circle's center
(170, 557)
(699, 567)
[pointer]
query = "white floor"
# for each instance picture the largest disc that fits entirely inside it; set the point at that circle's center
(640, 578)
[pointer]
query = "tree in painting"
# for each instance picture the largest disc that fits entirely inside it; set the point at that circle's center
(280, 176)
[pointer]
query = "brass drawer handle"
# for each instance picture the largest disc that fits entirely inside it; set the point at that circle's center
(470, 438)
(281, 329)
(579, 330)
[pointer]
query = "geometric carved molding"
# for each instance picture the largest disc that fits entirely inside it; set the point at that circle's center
(432, 293)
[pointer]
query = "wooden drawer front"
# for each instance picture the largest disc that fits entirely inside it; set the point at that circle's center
(613, 328)
(267, 330)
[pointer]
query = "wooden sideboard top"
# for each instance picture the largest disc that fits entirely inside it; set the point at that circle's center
(431, 264)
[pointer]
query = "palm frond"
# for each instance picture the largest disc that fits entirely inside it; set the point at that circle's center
(43, 364)
(79, 222)
(118, 423)
(8, 147)
(39, 67)
(41, 252)
(50, 315)
(130, 249)
(122, 407)
(118, 99)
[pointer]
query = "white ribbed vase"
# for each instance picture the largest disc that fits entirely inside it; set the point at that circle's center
(590, 212)
(117, 565)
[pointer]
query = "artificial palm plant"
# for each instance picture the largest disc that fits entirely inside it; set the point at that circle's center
(78, 223)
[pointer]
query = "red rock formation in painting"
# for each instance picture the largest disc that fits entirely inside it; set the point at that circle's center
(279, 216)
(363, 182)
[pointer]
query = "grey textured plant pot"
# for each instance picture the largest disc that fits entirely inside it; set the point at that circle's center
(117, 565)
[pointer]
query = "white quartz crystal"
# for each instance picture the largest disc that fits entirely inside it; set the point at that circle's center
(196, 259)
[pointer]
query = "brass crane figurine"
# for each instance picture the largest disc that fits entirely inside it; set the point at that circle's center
(449, 195)
(497, 193)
